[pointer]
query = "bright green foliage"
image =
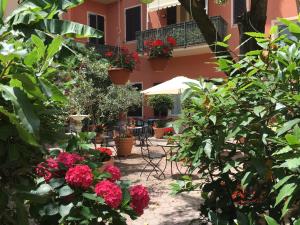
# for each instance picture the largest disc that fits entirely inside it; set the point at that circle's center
(90, 90)
(31, 104)
(161, 103)
(243, 136)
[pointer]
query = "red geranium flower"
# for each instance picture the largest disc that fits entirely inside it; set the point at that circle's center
(124, 50)
(171, 41)
(114, 172)
(157, 43)
(109, 54)
(79, 176)
(110, 192)
(104, 150)
(148, 43)
(166, 50)
(139, 198)
(135, 56)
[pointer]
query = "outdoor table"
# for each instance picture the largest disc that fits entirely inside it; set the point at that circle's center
(169, 148)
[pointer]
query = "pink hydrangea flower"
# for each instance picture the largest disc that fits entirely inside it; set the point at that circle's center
(139, 198)
(42, 171)
(52, 163)
(110, 192)
(69, 159)
(114, 172)
(79, 176)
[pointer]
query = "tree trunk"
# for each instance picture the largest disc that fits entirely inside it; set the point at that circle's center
(298, 6)
(209, 32)
(253, 21)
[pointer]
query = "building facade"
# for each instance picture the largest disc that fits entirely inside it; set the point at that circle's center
(129, 23)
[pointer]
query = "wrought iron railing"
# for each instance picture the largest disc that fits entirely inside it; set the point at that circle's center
(186, 33)
(102, 49)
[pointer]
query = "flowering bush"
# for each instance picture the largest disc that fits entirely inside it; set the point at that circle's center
(158, 48)
(114, 172)
(74, 191)
(122, 58)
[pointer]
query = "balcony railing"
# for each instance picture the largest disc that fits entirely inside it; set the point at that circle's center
(102, 49)
(186, 33)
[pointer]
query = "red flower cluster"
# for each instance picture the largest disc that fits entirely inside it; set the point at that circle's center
(110, 192)
(114, 172)
(123, 59)
(168, 131)
(69, 159)
(139, 198)
(79, 176)
(159, 48)
(104, 150)
(241, 197)
(42, 171)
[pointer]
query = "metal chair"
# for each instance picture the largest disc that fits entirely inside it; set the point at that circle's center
(153, 158)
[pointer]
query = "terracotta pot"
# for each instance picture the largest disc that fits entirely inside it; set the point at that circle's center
(124, 146)
(110, 162)
(159, 64)
(159, 132)
(119, 76)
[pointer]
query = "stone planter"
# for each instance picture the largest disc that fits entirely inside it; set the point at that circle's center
(158, 64)
(119, 76)
(110, 162)
(159, 132)
(124, 146)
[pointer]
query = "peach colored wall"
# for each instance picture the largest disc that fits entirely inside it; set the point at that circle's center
(191, 66)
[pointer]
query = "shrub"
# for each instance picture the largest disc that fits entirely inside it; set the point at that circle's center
(161, 104)
(243, 137)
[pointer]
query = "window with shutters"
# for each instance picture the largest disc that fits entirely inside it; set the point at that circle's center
(133, 22)
(136, 111)
(97, 22)
(239, 7)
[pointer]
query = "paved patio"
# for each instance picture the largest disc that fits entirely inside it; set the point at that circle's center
(164, 209)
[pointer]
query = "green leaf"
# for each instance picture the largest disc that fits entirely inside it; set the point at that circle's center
(292, 139)
(86, 212)
(22, 106)
(51, 91)
(222, 44)
(3, 4)
(254, 52)
(255, 34)
(259, 111)
(44, 189)
(56, 182)
(284, 150)
(64, 210)
(50, 209)
(208, 147)
(213, 118)
(229, 165)
(125, 197)
(294, 28)
(282, 182)
(93, 197)
(297, 222)
(291, 164)
(270, 220)
(285, 191)
(65, 191)
(246, 180)
(227, 38)
(287, 126)
(54, 47)
(40, 47)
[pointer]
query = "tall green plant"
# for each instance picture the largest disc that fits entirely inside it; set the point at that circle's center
(243, 137)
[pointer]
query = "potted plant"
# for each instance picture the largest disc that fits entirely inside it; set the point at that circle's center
(159, 52)
(122, 63)
(124, 142)
(159, 129)
(161, 104)
(103, 155)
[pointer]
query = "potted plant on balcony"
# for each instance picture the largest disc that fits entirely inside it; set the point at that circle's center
(159, 52)
(122, 63)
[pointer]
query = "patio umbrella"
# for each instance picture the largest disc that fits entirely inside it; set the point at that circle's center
(174, 86)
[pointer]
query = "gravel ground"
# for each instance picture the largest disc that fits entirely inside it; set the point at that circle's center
(164, 209)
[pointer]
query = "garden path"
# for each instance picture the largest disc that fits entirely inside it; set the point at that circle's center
(164, 208)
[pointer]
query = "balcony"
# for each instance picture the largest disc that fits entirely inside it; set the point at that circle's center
(187, 35)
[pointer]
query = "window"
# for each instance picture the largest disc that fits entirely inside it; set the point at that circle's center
(171, 15)
(137, 111)
(133, 22)
(97, 22)
(239, 7)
